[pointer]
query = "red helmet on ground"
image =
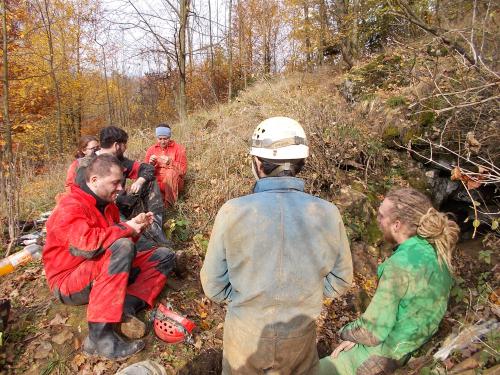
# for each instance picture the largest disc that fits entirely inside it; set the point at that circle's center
(172, 327)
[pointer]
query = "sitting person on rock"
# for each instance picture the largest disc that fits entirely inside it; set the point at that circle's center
(90, 258)
(412, 294)
(170, 162)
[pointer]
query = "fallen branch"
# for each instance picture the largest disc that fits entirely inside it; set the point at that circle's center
(463, 105)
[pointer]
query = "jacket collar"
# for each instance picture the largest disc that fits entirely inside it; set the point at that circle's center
(278, 183)
(170, 144)
(84, 192)
(409, 243)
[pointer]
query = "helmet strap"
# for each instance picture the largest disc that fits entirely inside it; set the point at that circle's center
(280, 168)
(254, 169)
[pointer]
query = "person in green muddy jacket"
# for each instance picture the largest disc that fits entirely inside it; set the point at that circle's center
(412, 294)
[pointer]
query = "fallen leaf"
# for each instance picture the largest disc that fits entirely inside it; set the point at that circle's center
(78, 360)
(77, 343)
(198, 344)
(204, 325)
(43, 350)
(472, 184)
(58, 320)
(472, 143)
(456, 174)
(62, 337)
(101, 368)
(14, 294)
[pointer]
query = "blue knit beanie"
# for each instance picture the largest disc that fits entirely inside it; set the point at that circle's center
(163, 131)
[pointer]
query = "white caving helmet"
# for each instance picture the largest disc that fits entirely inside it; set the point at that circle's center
(279, 138)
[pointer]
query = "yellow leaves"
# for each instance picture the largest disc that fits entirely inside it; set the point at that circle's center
(202, 309)
(494, 224)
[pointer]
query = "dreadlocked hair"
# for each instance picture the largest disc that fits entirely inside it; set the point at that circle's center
(415, 210)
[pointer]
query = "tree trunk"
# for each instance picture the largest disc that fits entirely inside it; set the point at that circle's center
(79, 96)
(190, 46)
(184, 13)
(230, 53)
(307, 36)
(323, 19)
(46, 18)
(342, 13)
(108, 96)
(9, 177)
(210, 36)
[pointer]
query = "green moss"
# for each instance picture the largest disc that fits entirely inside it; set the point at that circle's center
(391, 133)
(411, 134)
(358, 186)
(368, 97)
(372, 234)
(396, 101)
(417, 180)
(426, 119)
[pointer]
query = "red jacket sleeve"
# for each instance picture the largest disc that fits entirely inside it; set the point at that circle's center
(149, 152)
(70, 175)
(180, 162)
(86, 240)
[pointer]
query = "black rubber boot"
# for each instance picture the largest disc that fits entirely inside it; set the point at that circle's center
(105, 342)
(180, 266)
(132, 305)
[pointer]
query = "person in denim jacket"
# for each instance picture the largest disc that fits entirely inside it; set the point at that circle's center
(272, 256)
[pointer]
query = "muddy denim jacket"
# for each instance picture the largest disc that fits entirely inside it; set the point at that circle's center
(274, 254)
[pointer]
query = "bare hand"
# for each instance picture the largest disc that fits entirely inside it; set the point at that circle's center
(152, 159)
(136, 186)
(148, 218)
(136, 227)
(141, 222)
(343, 347)
(165, 159)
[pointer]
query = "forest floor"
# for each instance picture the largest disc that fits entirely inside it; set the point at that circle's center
(45, 337)
(353, 163)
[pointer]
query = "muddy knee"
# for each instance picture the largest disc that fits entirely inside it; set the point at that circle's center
(165, 258)
(122, 255)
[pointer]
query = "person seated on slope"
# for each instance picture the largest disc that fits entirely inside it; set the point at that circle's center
(412, 294)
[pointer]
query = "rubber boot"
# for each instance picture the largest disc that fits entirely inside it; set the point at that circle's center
(105, 342)
(180, 265)
(131, 326)
(132, 305)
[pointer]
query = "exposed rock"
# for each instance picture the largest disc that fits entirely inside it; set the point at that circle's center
(143, 368)
(353, 201)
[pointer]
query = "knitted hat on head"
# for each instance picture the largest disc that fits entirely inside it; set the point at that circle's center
(163, 131)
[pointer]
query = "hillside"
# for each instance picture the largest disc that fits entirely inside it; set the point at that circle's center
(354, 122)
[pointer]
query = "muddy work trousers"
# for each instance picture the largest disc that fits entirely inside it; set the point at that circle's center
(245, 352)
(360, 360)
(171, 183)
(149, 198)
(102, 282)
